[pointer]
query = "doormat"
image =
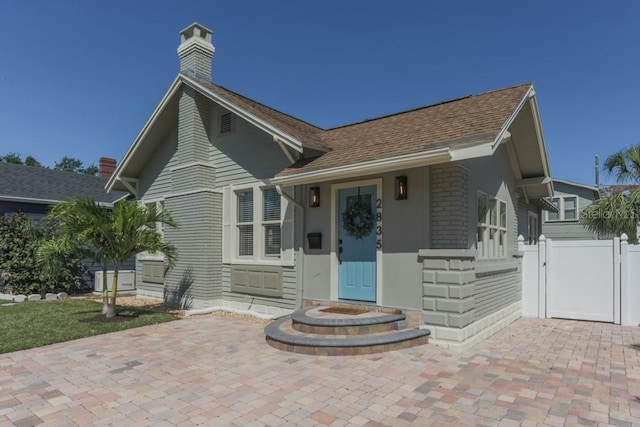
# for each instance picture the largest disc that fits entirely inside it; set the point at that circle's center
(344, 310)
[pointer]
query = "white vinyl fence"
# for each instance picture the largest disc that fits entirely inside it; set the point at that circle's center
(595, 280)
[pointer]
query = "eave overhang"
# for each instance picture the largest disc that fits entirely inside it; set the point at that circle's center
(406, 161)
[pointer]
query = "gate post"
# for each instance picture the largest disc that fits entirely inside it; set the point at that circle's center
(623, 296)
(542, 277)
(616, 280)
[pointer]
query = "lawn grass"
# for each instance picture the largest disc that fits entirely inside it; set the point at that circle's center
(33, 324)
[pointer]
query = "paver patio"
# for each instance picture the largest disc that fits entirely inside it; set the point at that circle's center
(211, 370)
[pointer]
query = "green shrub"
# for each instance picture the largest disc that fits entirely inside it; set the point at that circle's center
(20, 238)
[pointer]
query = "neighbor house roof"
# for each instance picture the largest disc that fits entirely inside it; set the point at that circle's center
(457, 123)
(31, 184)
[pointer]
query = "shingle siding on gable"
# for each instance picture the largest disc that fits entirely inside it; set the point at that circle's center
(449, 206)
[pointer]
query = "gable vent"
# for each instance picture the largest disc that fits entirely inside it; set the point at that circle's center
(226, 123)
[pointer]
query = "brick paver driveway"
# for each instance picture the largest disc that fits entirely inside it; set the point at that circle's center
(215, 371)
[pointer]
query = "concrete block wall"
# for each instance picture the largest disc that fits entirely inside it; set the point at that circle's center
(449, 189)
(448, 288)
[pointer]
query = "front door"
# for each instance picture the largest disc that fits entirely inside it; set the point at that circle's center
(357, 243)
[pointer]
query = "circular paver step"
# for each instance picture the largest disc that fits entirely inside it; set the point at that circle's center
(281, 335)
(313, 320)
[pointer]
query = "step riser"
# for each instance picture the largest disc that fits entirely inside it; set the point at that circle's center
(347, 330)
(347, 351)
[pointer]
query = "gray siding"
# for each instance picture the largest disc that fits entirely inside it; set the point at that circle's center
(449, 206)
(155, 177)
(287, 301)
(569, 230)
(198, 238)
(26, 208)
(493, 176)
(245, 155)
(497, 289)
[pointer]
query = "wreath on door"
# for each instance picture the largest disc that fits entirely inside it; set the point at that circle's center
(357, 219)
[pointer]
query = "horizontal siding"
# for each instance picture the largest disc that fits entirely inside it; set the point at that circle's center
(198, 239)
(566, 231)
(287, 301)
(495, 292)
(155, 177)
(245, 155)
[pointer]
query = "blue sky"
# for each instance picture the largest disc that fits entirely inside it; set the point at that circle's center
(80, 78)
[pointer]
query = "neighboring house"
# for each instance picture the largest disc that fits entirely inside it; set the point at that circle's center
(570, 199)
(33, 190)
(418, 210)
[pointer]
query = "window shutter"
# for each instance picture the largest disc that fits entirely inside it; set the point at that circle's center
(288, 230)
(227, 226)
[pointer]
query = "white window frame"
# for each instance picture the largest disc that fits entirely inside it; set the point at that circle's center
(562, 209)
(153, 256)
(487, 247)
(259, 256)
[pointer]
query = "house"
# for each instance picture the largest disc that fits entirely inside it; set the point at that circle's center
(570, 199)
(33, 190)
(417, 210)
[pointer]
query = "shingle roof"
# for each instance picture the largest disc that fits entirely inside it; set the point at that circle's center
(446, 124)
(304, 132)
(35, 183)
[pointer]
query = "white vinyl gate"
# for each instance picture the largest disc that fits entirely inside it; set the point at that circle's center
(582, 280)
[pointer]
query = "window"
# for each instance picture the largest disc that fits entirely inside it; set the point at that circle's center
(567, 209)
(271, 222)
(258, 223)
(492, 227)
(226, 123)
(245, 222)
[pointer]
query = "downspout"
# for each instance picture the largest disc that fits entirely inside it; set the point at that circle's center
(300, 262)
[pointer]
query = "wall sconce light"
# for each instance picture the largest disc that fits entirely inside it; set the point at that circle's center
(401, 188)
(314, 197)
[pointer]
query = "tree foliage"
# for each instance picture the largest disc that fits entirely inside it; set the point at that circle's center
(66, 163)
(14, 158)
(71, 164)
(20, 239)
(625, 165)
(619, 211)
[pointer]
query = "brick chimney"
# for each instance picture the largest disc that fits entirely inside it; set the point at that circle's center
(196, 51)
(107, 167)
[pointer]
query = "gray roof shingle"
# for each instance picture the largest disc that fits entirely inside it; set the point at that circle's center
(35, 183)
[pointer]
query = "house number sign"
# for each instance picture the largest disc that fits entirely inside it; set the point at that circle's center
(378, 223)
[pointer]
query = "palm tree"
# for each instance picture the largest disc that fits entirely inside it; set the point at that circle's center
(618, 212)
(85, 225)
(113, 236)
(625, 165)
(135, 230)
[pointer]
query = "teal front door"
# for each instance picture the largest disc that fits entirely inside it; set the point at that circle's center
(357, 243)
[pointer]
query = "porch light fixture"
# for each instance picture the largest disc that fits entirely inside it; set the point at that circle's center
(314, 197)
(401, 188)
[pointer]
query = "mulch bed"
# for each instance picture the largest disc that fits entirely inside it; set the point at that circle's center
(101, 318)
